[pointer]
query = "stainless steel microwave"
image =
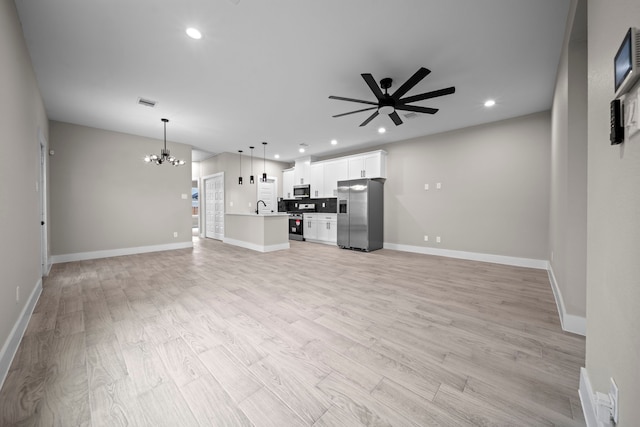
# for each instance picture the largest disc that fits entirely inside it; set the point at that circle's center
(301, 191)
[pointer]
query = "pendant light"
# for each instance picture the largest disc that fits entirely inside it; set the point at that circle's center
(165, 155)
(264, 162)
(251, 181)
(240, 177)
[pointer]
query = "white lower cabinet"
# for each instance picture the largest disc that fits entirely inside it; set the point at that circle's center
(310, 227)
(321, 227)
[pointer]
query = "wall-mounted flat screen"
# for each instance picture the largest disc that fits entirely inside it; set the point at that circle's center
(625, 63)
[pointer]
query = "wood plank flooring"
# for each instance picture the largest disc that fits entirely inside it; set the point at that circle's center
(312, 336)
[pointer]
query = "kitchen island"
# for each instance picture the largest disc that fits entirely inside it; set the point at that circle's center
(258, 232)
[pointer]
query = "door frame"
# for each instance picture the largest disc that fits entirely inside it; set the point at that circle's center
(43, 145)
(275, 191)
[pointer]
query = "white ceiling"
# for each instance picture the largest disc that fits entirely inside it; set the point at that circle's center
(264, 69)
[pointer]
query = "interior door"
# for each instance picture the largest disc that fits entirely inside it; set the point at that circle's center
(267, 193)
(214, 206)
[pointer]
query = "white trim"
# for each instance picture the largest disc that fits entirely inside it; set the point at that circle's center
(81, 256)
(10, 346)
(256, 247)
(473, 256)
(587, 399)
(569, 322)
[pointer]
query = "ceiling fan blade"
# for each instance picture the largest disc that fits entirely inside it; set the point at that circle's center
(428, 95)
(396, 118)
(409, 84)
(341, 98)
(353, 112)
(371, 117)
(417, 109)
(373, 85)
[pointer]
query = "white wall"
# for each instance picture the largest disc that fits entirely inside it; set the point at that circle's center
(613, 230)
(21, 116)
(243, 197)
(105, 197)
(568, 202)
(495, 189)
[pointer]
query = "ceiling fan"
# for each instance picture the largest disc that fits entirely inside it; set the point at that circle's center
(389, 104)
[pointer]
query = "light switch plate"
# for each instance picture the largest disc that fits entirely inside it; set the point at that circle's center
(184, 196)
(438, 185)
(426, 187)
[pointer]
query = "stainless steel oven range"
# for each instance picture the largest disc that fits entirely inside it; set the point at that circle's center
(296, 223)
(295, 226)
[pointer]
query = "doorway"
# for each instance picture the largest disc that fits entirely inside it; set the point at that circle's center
(42, 188)
(268, 194)
(213, 190)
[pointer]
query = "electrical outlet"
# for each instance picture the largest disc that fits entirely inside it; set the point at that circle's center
(175, 234)
(17, 293)
(426, 187)
(230, 204)
(184, 196)
(438, 185)
(426, 238)
(437, 239)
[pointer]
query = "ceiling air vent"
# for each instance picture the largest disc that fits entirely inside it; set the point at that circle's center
(147, 102)
(410, 115)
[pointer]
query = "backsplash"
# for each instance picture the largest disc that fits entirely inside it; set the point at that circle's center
(330, 204)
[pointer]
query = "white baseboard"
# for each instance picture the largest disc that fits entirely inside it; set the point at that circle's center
(472, 256)
(587, 399)
(569, 322)
(81, 256)
(10, 346)
(256, 247)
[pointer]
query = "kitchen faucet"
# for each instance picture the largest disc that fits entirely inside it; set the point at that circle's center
(258, 206)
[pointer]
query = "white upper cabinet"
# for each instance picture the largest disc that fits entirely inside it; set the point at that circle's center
(301, 171)
(316, 179)
(334, 171)
(323, 176)
(287, 184)
(368, 165)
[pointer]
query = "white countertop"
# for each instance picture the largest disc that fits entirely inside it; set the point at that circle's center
(259, 215)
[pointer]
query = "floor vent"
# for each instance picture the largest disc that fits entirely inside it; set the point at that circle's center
(147, 102)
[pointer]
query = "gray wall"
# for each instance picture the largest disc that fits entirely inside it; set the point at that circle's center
(568, 203)
(105, 197)
(613, 221)
(495, 189)
(21, 115)
(244, 197)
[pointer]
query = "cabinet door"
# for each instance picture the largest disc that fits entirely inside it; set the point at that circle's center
(356, 167)
(332, 232)
(334, 171)
(310, 225)
(287, 184)
(371, 164)
(316, 179)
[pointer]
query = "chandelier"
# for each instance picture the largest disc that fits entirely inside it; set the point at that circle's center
(165, 155)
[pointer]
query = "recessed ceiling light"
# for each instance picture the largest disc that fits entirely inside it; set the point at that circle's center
(194, 33)
(489, 103)
(334, 142)
(301, 150)
(381, 130)
(277, 156)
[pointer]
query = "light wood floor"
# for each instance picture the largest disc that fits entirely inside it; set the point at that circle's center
(223, 336)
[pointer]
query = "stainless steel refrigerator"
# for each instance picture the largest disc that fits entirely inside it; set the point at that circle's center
(360, 214)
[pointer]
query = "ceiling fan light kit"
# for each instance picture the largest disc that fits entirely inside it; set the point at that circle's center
(390, 104)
